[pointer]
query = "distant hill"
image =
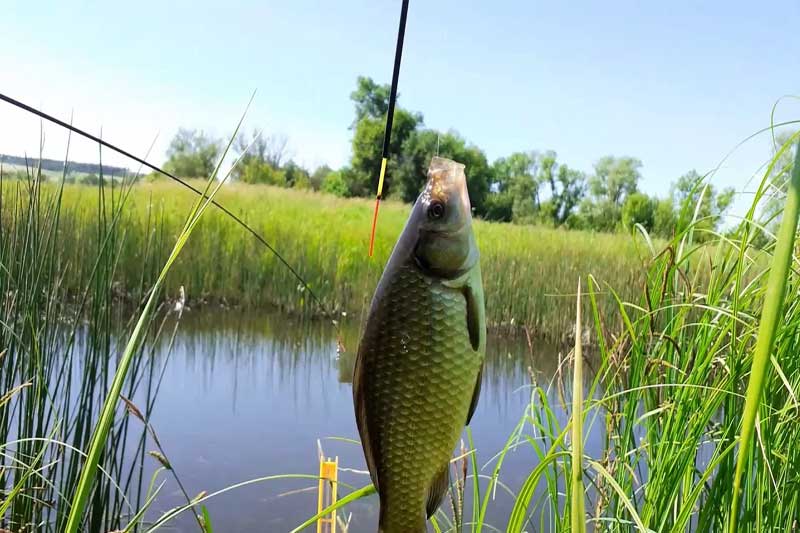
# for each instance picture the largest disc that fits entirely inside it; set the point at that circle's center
(54, 165)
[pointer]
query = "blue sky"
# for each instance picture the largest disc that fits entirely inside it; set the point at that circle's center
(675, 84)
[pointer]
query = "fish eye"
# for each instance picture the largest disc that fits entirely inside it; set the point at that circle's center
(436, 210)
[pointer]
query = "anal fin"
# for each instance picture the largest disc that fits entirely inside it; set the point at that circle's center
(439, 487)
(476, 394)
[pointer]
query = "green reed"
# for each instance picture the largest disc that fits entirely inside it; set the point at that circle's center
(768, 328)
(58, 347)
(669, 395)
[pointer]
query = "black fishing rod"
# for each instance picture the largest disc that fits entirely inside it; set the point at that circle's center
(242, 223)
(387, 133)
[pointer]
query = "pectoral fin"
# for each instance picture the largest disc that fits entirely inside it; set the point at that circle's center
(476, 312)
(475, 395)
(437, 490)
(476, 325)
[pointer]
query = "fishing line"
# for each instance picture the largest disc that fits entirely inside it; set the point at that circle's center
(242, 223)
(387, 133)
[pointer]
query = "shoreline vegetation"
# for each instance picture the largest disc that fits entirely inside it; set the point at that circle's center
(526, 268)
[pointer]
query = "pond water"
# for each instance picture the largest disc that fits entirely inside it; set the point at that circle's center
(251, 395)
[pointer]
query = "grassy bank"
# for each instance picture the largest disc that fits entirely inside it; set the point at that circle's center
(528, 271)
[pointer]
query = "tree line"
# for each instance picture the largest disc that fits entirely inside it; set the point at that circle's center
(530, 187)
(57, 165)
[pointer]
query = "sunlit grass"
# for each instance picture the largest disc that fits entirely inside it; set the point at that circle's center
(325, 238)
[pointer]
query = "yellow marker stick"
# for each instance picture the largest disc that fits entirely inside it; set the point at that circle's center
(328, 481)
(383, 173)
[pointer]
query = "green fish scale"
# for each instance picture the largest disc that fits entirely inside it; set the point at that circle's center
(422, 372)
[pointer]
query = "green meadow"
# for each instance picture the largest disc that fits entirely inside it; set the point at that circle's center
(529, 271)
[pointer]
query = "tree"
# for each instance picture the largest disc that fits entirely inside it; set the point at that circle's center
(318, 176)
(192, 154)
(615, 178)
(514, 177)
(261, 161)
(334, 183)
(275, 150)
(365, 160)
(353, 182)
(91, 179)
(296, 176)
(368, 151)
(372, 101)
(417, 152)
(260, 157)
(421, 146)
(523, 186)
(598, 215)
(567, 187)
(254, 171)
(508, 170)
(664, 219)
(638, 209)
(535, 188)
(698, 201)
(270, 149)
(499, 206)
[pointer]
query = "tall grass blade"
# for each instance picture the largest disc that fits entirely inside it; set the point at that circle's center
(577, 511)
(476, 488)
(206, 520)
(770, 317)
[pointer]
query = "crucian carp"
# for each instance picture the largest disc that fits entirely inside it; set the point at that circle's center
(418, 370)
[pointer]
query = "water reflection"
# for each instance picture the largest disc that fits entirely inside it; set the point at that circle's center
(245, 396)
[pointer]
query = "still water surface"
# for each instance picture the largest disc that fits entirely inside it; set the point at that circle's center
(245, 396)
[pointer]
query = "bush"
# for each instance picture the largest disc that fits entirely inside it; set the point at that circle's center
(638, 209)
(334, 184)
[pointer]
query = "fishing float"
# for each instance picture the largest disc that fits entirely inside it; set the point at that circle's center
(387, 134)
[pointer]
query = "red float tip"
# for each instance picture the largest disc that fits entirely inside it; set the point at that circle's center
(374, 224)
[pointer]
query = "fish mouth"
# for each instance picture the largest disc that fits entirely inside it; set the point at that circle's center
(447, 182)
(445, 232)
